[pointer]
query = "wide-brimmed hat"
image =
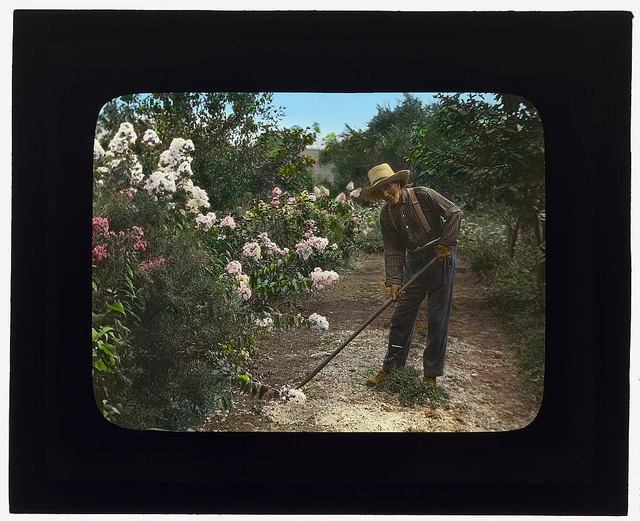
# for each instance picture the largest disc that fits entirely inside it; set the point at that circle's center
(381, 175)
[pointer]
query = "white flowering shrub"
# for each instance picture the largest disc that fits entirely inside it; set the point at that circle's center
(118, 167)
(172, 179)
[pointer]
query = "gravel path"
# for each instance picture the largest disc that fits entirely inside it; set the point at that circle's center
(484, 389)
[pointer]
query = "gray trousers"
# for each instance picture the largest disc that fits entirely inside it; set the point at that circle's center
(436, 285)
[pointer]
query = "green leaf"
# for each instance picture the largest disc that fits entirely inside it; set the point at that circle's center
(117, 306)
(105, 348)
(104, 330)
(94, 335)
(100, 365)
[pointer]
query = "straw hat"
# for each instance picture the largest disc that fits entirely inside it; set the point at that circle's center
(381, 175)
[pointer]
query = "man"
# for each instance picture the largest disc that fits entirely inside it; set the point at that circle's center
(406, 234)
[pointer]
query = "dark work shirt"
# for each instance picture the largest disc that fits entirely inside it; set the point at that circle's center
(403, 230)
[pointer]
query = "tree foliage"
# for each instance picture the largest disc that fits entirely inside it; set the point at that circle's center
(385, 140)
(490, 154)
(484, 152)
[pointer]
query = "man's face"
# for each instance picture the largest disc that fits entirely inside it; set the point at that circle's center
(390, 192)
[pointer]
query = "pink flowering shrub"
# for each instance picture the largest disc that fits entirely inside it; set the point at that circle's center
(234, 268)
(321, 279)
(228, 222)
(252, 250)
(99, 253)
(206, 222)
(105, 239)
(151, 264)
(244, 291)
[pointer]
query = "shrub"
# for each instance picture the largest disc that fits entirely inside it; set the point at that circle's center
(513, 287)
(181, 294)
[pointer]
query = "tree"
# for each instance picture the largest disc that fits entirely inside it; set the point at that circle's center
(385, 140)
(489, 153)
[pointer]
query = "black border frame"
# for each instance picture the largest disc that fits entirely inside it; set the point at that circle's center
(574, 66)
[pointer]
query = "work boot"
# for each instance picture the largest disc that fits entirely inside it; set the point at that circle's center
(430, 382)
(375, 380)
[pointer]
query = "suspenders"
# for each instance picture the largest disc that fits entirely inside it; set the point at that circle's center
(417, 208)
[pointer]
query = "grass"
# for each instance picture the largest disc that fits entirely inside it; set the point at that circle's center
(408, 386)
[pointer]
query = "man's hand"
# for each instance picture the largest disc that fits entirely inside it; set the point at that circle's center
(396, 293)
(443, 252)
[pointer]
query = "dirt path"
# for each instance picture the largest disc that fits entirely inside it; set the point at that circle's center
(485, 391)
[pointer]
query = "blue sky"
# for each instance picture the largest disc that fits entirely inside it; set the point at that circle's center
(333, 110)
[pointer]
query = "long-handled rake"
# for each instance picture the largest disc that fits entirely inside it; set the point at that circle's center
(363, 326)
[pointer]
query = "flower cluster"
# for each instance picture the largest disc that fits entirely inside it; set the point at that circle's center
(296, 396)
(199, 197)
(206, 221)
(125, 136)
(243, 290)
(252, 250)
(150, 138)
(136, 234)
(342, 199)
(100, 227)
(318, 323)
(121, 157)
(321, 279)
(305, 248)
(266, 323)
(308, 196)
(234, 268)
(320, 191)
(174, 173)
(175, 157)
(229, 222)
(101, 224)
(353, 192)
(98, 151)
(275, 196)
(152, 264)
(272, 247)
(99, 252)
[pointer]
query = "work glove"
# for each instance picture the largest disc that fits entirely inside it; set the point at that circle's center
(396, 294)
(442, 252)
